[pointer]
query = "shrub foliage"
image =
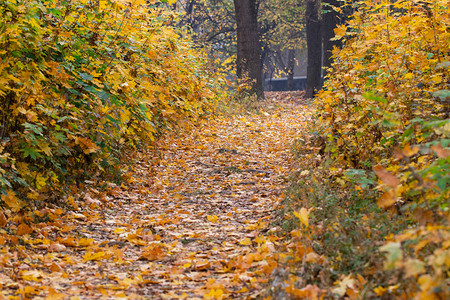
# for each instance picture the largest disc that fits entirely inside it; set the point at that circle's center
(83, 81)
(384, 111)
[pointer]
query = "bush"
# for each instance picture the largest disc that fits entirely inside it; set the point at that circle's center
(82, 82)
(384, 111)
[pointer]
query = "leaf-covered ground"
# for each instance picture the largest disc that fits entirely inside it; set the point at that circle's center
(193, 219)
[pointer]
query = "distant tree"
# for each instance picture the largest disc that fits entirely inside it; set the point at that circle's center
(331, 18)
(282, 34)
(248, 47)
(314, 45)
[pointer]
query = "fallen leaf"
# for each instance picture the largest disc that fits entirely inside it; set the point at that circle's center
(3, 220)
(213, 218)
(57, 248)
(303, 215)
(387, 199)
(245, 242)
(24, 229)
(94, 256)
(155, 251)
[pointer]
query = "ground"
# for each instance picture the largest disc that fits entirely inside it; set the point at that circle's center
(193, 218)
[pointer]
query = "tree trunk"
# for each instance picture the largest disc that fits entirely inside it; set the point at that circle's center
(248, 48)
(330, 20)
(290, 69)
(314, 45)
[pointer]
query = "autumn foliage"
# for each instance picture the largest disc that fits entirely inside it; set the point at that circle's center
(82, 82)
(384, 113)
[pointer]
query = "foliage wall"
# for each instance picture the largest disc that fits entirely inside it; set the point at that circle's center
(385, 109)
(83, 81)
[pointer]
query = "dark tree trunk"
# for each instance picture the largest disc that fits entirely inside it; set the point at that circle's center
(248, 48)
(314, 45)
(330, 20)
(290, 69)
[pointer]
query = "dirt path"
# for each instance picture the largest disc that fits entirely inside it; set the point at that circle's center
(196, 226)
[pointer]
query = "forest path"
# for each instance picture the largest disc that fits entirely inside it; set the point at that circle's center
(196, 225)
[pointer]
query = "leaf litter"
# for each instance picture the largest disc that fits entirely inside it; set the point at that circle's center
(192, 220)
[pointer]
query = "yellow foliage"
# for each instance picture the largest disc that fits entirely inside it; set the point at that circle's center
(385, 109)
(83, 81)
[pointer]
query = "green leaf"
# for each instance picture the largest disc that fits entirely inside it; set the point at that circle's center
(86, 76)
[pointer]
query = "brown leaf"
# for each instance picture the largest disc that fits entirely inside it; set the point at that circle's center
(3, 220)
(54, 267)
(388, 199)
(57, 248)
(386, 177)
(441, 151)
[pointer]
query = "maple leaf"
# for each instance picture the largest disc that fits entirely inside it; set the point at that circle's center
(441, 151)
(12, 201)
(303, 215)
(154, 251)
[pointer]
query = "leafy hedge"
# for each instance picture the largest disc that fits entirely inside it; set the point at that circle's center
(384, 111)
(83, 81)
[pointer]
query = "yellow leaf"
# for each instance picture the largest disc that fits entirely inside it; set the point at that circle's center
(213, 218)
(380, 291)
(303, 216)
(246, 242)
(12, 201)
(214, 294)
(93, 256)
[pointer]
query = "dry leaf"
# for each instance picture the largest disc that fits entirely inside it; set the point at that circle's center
(303, 215)
(24, 229)
(3, 220)
(57, 248)
(441, 151)
(246, 242)
(386, 177)
(12, 201)
(387, 199)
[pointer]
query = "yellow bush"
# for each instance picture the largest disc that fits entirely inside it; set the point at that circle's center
(385, 107)
(82, 81)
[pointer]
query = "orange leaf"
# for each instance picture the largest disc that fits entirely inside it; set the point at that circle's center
(409, 151)
(23, 229)
(3, 220)
(155, 251)
(12, 201)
